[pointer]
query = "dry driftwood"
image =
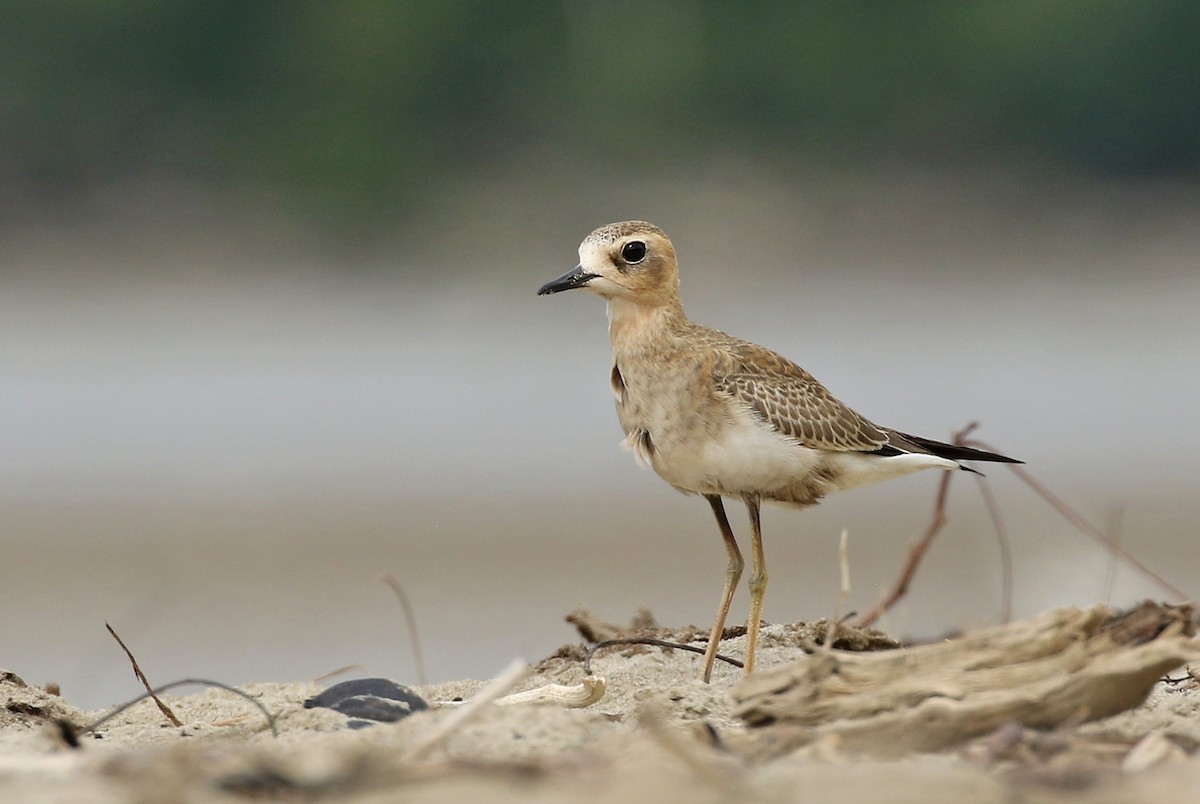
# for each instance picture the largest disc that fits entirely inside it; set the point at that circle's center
(1067, 665)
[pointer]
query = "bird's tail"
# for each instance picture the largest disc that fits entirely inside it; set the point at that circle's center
(943, 450)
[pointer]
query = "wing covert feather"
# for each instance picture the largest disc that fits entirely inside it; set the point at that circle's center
(790, 399)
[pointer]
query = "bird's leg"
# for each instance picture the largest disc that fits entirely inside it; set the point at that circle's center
(733, 573)
(758, 583)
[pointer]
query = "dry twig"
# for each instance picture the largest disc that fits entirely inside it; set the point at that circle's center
(917, 552)
(137, 671)
(844, 563)
(182, 682)
(495, 689)
(411, 620)
(321, 679)
(658, 643)
(1006, 568)
(1087, 528)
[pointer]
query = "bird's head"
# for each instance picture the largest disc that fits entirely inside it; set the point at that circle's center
(632, 260)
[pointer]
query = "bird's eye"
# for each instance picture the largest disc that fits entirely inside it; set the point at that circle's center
(633, 252)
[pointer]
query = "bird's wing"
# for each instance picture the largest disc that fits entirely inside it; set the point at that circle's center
(791, 400)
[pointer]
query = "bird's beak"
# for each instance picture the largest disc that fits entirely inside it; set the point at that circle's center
(574, 278)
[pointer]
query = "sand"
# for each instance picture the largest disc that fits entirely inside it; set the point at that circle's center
(656, 734)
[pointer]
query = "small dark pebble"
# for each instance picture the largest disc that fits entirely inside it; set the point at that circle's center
(369, 699)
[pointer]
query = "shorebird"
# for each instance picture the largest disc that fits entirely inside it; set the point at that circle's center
(721, 417)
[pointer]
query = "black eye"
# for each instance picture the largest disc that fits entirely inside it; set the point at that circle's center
(633, 252)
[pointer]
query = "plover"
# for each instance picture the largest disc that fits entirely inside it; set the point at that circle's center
(722, 417)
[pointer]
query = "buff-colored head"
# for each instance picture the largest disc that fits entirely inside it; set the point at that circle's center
(631, 260)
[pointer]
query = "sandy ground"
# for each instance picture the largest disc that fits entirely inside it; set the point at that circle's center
(657, 734)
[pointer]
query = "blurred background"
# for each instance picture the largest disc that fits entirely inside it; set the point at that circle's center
(268, 325)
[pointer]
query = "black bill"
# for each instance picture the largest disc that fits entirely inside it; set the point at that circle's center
(574, 278)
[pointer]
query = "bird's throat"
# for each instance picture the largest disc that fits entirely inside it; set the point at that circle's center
(638, 328)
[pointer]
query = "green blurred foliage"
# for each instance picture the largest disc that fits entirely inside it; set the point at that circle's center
(363, 106)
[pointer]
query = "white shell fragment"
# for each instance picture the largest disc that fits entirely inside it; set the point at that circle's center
(571, 696)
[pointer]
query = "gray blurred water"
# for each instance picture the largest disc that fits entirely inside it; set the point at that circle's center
(218, 446)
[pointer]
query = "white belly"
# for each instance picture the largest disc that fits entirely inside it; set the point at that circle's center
(740, 461)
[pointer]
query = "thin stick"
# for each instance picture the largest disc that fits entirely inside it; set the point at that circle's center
(414, 637)
(203, 682)
(326, 676)
(844, 563)
(137, 672)
(1110, 577)
(1006, 566)
(1085, 527)
(496, 688)
(915, 554)
(658, 643)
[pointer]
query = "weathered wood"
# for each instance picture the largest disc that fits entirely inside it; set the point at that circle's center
(1064, 665)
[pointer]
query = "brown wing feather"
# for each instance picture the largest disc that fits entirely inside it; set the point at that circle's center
(789, 398)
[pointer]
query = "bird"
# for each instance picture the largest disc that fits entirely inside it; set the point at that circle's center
(721, 417)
